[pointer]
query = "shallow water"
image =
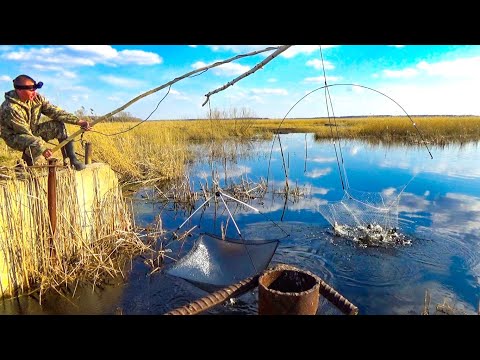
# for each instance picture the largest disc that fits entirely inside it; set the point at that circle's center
(438, 212)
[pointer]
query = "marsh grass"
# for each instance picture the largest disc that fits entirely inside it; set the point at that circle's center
(78, 251)
(156, 151)
(433, 130)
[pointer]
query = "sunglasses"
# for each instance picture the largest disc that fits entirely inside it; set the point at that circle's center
(29, 87)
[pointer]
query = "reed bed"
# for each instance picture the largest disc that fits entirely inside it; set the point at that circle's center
(157, 151)
(435, 128)
(85, 247)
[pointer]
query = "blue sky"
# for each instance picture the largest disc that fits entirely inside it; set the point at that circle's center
(422, 79)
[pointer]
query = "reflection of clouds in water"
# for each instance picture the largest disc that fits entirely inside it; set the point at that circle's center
(355, 150)
(450, 213)
(321, 159)
(238, 171)
(458, 168)
(401, 163)
(411, 203)
(459, 213)
(276, 148)
(305, 204)
(462, 165)
(316, 173)
(300, 203)
(389, 191)
(314, 190)
(203, 175)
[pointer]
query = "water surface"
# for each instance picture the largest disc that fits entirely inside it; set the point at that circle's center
(438, 213)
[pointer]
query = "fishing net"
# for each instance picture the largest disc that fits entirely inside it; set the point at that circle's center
(223, 262)
(371, 218)
(363, 208)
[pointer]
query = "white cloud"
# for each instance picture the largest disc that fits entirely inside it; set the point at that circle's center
(138, 57)
(5, 78)
(53, 55)
(82, 55)
(321, 79)
(79, 98)
(303, 49)
(467, 68)
(69, 74)
(405, 73)
(120, 81)
(289, 53)
(62, 73)
(317, 64)
(238, 49)
(114, 99)
(179, 95)
(463, 67)
(103, 51)
(231, 69)
(43, 67)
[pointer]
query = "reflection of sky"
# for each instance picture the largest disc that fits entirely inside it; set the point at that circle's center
(429, 193)
(439, 209)
(452, 213)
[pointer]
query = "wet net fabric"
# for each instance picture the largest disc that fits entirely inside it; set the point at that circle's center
(363, 209)
(218, 262)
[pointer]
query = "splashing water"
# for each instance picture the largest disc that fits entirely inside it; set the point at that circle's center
(372, 235)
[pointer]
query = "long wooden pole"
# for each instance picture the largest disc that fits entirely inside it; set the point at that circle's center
(205, 68)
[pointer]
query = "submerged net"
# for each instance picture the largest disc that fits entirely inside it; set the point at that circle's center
(363, 208)
(223, 262)
(370, 218)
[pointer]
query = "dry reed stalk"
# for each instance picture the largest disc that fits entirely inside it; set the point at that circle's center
(90, 243)
(426, 303)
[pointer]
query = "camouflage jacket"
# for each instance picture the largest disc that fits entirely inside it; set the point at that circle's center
(18, 117)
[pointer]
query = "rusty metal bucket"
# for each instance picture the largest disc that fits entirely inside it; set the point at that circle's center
(288, 291)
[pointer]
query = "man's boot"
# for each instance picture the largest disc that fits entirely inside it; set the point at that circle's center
(68, 151)
(27, 158)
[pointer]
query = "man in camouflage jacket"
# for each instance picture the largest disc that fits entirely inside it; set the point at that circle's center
(22, 130)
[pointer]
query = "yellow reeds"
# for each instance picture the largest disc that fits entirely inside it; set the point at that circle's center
(159, 150)
(93, 236)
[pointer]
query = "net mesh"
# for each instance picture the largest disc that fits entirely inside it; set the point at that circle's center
(363, 208)
(223, 262)
(370, 218)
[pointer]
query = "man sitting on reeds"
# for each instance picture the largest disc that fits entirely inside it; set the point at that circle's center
(22, 130)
